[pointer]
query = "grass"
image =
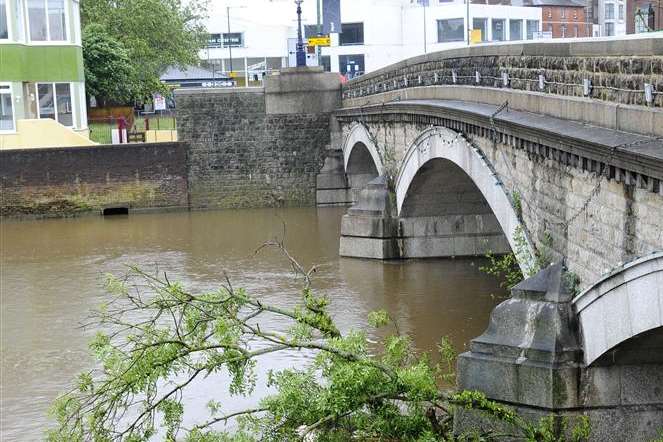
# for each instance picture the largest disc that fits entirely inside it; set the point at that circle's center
(100, 131)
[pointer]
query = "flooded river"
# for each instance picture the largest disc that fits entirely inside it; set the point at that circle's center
(51, 277)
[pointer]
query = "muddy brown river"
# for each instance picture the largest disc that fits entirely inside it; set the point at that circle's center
(52, 272)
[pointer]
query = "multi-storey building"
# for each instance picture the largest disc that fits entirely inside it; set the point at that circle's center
(41, 64)
(564, 18)
(611, 18)
(375, 33)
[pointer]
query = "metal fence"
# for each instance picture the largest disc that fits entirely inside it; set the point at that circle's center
(113, 130)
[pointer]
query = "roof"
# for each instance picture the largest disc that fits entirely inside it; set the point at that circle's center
(189, 73)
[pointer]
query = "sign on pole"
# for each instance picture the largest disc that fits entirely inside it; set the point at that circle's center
(322, 40)
(331, 17)
(159, 102)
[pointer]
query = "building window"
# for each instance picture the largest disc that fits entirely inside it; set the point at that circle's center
(609, 29)
(54, 102)
(562, 12)
(482, 25)
(233, 40)
(575, 31)
(550, 28)
(452, 29)
(609, 11)
(641, 21)
(6, 108)
(515, 29)
(621, 12)
(4, 25)
(325, 62)
(47, 20)
(498, 28)
(351, 65)
(563, 30)
(532, 27)
(352, 34)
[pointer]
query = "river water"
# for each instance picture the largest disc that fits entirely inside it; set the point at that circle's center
(52, 271)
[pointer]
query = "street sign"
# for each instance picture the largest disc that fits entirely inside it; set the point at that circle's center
(322, 40)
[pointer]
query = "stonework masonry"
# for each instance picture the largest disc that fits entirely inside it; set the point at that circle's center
(617, 70)
(592, 221)
(258, 147)
(68, 181)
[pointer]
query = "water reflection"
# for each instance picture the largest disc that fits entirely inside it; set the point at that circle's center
(52, 272)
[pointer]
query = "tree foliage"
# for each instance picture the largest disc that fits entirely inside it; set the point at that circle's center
(155, 34)
(160, 338)
(109, 74)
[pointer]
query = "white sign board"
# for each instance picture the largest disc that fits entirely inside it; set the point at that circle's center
(159, 102)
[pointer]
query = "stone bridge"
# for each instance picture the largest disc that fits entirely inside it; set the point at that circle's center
(552, 151)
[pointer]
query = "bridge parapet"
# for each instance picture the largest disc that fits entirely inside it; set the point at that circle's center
(601, 82)
(617, 69)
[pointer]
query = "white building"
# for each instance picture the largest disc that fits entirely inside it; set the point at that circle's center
(611, 18)
(375, 33)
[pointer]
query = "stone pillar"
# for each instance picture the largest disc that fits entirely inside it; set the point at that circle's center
(368, 229)
(332, 188)
(530, 356)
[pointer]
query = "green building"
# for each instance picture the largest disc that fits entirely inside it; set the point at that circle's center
(41, 66)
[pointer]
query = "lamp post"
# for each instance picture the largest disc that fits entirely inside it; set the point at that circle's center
(301, 55)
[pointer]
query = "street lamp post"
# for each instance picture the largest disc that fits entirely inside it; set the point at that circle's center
(301, 55)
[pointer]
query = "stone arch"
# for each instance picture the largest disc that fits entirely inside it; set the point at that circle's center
(359, 138)
(443, 151)
(625, 304)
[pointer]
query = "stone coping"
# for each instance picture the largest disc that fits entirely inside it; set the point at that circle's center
(218, 90)
(589, 47)
(624, 117)
(91, 147)
(597, 290)
(644, 156)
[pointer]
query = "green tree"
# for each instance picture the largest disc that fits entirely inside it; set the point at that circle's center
(159, 338)
(155, 34)
(109, 74)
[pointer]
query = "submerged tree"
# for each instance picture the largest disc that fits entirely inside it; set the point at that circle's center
(160, 339)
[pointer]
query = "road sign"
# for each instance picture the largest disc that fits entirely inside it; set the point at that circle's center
(322, 40)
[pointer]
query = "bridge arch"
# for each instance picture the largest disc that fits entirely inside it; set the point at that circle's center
(622, 307)
(361, 158)
(439, 157)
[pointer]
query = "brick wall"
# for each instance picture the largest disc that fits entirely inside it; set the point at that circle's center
(65, 181)
(242, 157)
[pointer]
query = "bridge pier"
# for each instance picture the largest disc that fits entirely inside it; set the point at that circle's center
(534, 358)
(332, 188)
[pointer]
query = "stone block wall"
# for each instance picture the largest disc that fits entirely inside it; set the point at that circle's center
(241, 156)
(70, 180)
(594, 222)
(617, 70)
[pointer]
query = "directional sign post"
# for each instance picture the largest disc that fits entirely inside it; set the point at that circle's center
(322, 40)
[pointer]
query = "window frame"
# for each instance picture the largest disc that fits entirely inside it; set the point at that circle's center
(350, 24)
(537, 24)
(55, 101)
(493, 22)
(516, 20)
(484, 34)
(67, 26)
(11, 99)
(612, 11)
(463, 37)
(9, 28)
